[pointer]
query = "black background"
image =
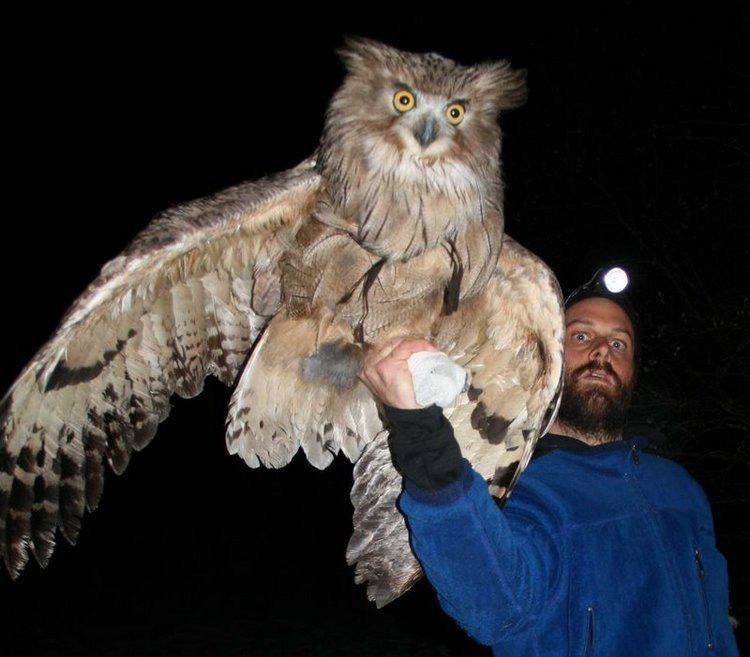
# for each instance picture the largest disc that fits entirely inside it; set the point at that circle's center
(633, 149)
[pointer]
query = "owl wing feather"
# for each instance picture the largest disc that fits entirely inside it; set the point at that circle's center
(510, 338)
(517, 373)
(186, 298)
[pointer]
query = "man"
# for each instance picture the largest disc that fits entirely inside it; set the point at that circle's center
(601, 549)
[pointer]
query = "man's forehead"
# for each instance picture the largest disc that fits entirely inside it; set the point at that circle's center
(598, 311)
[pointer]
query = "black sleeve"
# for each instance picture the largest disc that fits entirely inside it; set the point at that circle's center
(423, 446)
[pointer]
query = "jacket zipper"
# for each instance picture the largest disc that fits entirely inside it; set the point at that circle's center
(701, 578)
(589, 647)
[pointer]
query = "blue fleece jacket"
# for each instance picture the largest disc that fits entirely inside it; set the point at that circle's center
(600, 550)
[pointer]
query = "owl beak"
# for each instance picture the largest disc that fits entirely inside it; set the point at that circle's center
(426, 131)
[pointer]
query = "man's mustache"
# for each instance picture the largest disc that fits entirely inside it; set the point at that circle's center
(604, 367)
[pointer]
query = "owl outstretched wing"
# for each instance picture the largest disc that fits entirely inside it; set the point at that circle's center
(187, 298)
(510, 338)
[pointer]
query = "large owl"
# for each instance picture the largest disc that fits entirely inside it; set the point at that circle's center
(279, 287)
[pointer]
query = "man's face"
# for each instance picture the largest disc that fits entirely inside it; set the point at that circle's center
(598, 367)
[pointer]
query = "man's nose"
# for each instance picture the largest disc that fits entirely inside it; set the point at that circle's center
(600, 350)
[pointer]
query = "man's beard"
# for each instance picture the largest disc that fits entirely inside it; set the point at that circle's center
(595, 410)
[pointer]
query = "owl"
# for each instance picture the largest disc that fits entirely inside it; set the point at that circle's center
(280, 287)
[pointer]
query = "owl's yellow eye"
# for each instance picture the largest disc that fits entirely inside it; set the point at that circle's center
(403, 100)
(455, 113)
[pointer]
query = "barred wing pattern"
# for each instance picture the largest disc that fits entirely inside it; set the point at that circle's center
(510, 338)
(186, 299)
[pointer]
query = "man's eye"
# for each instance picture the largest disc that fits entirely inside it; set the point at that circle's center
(579, 337)
(618, 344)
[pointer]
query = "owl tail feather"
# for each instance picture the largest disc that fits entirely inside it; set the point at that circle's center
(300, 388)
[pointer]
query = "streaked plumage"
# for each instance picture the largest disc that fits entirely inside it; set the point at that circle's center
(394, 228)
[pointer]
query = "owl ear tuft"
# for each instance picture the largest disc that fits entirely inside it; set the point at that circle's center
(504, 85)
(360, 54)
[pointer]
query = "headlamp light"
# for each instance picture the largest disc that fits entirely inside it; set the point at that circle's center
(615, 280)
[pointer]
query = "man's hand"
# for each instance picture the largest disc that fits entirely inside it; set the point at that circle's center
(386, 372)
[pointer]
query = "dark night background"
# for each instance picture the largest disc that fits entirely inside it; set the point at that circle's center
(633, 148)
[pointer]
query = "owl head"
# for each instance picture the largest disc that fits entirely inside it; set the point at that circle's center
(412, 115)
(410, 154)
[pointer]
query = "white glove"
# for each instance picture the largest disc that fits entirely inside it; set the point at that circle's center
(436, 378)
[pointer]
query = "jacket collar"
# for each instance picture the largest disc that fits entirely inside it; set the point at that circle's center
(552, 441)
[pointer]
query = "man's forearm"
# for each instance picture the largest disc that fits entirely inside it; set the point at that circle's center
(487, 575)
(423, 447)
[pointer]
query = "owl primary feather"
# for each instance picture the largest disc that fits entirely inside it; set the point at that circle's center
(279, 287)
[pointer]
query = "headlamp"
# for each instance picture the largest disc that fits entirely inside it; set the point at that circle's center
(607, 283)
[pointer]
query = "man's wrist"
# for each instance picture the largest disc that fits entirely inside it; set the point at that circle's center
(423, 446)
(427, 418)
